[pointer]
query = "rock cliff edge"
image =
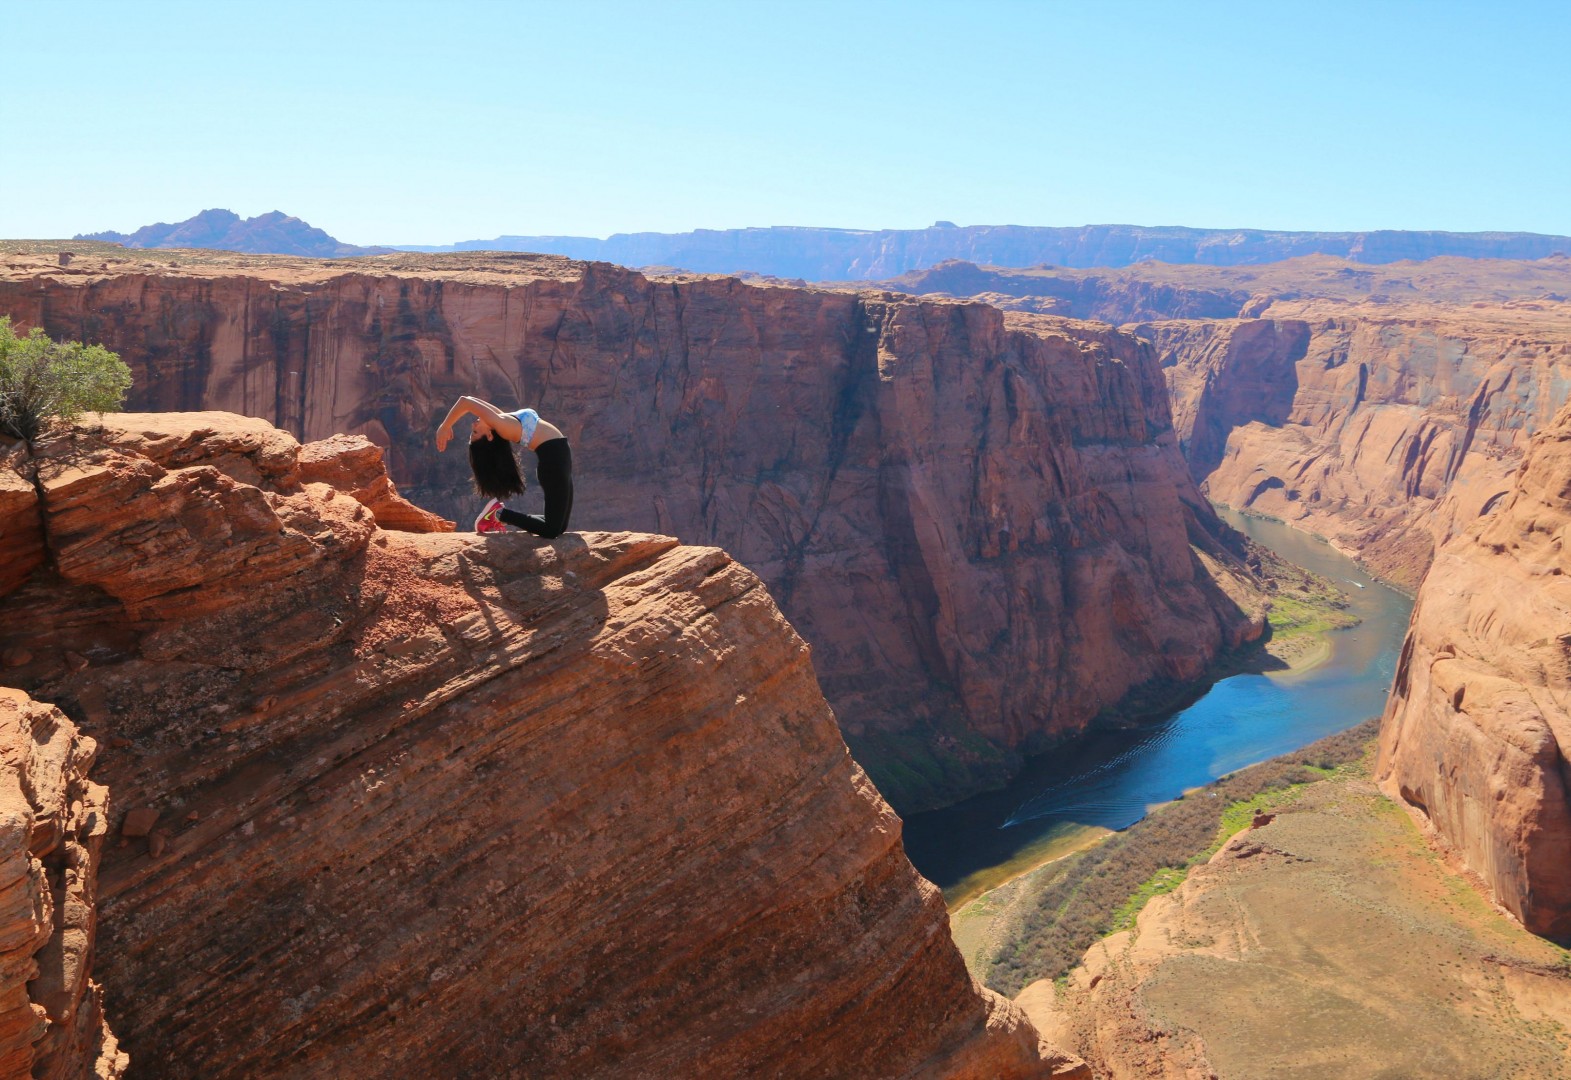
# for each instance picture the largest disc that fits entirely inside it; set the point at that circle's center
(982, 522)
(394, 803)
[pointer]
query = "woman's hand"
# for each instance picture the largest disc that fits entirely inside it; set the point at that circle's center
(489, 421)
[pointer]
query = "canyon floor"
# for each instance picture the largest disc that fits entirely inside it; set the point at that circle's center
(1331, 940)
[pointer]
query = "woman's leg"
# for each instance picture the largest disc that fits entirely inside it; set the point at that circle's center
(554, 466)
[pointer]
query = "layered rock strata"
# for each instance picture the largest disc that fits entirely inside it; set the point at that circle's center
(1385, 432)
(21, 539)
(1382, 408)
(983, 525)
(1477, 732)
(420, 804)
(53, 821)
(1152, 290)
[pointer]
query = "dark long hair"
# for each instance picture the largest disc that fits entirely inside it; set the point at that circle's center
(495, 467)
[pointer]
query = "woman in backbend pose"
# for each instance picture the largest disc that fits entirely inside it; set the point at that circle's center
(496, 469)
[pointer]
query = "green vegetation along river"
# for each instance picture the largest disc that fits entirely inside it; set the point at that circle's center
(1066, 800)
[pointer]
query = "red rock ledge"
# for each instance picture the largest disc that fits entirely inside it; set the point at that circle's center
(394, 804)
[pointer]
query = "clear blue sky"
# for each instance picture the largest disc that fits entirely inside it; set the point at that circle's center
(405, 122)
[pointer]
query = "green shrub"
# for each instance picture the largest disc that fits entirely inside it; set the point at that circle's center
(44, 380)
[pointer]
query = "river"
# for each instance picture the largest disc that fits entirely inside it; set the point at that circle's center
(1068, 799)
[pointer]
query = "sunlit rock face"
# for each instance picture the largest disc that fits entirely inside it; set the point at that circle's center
(1476, 732)
(1387, 433)
(390, 803)
(1382, 407)
(982, 523)
(53, 823)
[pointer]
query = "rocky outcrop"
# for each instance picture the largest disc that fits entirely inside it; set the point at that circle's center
(53, 821)
(422, 804)
(872, 254)
(983, 524)
(353, 463)
(1477, 732)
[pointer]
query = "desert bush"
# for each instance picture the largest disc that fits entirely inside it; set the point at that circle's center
(43, 380)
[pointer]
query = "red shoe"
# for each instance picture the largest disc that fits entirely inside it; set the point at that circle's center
(489, 521)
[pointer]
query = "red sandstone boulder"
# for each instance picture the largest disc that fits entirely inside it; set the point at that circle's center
(353, 464)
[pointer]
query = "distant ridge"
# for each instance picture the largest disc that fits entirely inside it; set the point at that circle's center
(273, 233)
(873, 254)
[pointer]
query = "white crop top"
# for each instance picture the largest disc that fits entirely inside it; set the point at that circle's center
(531, 420)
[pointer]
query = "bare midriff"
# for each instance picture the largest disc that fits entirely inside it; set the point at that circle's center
(545, 431)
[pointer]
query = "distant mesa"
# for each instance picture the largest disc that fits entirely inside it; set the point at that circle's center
(803, 253)
(814, 254)
(273, 233)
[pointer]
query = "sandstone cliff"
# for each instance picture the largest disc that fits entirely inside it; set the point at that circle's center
(420, 804)
(1385, 431)
(1477, 732)
(1382, 408)
(983, 525)
(1163, 290)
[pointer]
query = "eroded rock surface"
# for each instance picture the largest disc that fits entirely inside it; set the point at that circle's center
(53, 821)
(983, 525)
(1478, 728)
(401, 804)
(1383, 408)
(21, 539)
(1405, 426)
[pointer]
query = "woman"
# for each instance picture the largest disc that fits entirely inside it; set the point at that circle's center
(496, 469)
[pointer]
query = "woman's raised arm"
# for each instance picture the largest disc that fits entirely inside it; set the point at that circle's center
(484, 412)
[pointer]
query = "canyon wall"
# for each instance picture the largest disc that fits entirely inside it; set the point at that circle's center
(1478, 728)
(1383, 408)
(1386, 429)
(413, 803)
(982, 523)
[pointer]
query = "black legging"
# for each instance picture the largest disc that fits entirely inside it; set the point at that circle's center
(554, 466)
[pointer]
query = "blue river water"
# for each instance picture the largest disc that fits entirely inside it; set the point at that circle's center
(1110, 780)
